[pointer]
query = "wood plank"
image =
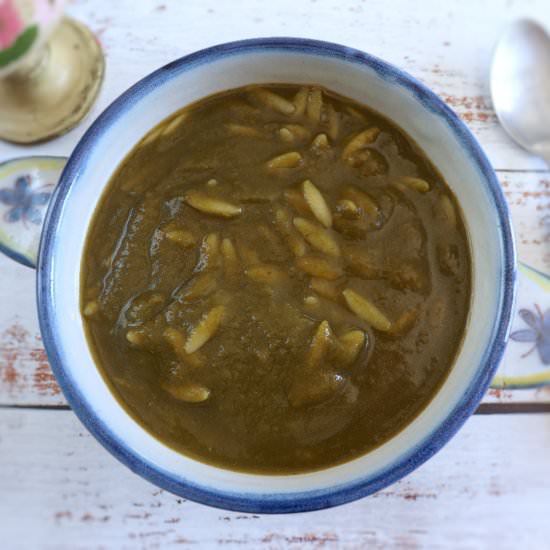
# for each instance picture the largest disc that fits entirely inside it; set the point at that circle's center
(492, 475)
(528, 195)
(447, 45)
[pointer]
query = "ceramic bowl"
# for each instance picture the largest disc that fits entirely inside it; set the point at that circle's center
(352, 73)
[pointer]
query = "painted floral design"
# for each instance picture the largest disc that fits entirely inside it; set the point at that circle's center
(24, 203)
(538, 332)
(11, 24)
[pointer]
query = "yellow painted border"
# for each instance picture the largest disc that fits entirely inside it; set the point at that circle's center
(528, 381)
(12, 166)
(536, 276)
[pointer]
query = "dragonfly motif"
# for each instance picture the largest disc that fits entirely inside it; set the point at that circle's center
(538, 332)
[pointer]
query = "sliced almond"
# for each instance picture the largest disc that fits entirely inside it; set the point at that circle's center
(176, 340)
(446, 211)
(362, 200)
(355, 113)
(351, 344)
(298, 131)
(418, 184)
(286, 135)
(310, 388)
(333, 122)
(311, 301)
(242, 130)
(319, 344)
(295, 198)
(210, 205)
(151, 136)
(366, 310)
(348, 208)
(320, 141)
(268, 273)
(91, 309)
(300, 101)
(200, 286)
(183, 237)
(195, 360)
(321, 308)
(188, 392)
(173, 124)
(319, 266)
(360, 140)
(326, 289)
(286, 160)
(404, 322)
(295, 242)
(365, 263)
(317, 236)
(314, 105)
(209, 254)
(274, 101)
(205, 329)
(137, 337)
(317, 203)
(230, 258)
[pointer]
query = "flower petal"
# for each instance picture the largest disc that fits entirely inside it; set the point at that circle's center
(546, 322)
(33, 215)
(14, 214)
(525, 335)
(22, 184)
(9, 197)
(39, 199)
(529, 317)
(544, 350)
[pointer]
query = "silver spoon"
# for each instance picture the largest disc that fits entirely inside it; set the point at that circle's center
(520, 86)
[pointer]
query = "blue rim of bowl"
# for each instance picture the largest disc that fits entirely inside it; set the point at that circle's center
(276, 502)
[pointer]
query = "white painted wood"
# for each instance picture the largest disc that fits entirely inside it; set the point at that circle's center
(445, 44)
(489, 488)
(59, 489)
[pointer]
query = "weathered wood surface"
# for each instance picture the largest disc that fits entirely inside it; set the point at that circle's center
(445, 44)
(488, 488)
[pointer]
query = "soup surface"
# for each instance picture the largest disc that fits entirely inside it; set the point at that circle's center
(276, 280)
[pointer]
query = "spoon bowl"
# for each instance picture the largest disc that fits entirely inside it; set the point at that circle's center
(520, 85)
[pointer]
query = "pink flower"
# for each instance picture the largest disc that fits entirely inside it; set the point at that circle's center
(11, 24)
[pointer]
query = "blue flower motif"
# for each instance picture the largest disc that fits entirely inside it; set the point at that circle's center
(538, 332)
(23, 202)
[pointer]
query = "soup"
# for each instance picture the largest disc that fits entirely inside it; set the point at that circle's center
(276, 280)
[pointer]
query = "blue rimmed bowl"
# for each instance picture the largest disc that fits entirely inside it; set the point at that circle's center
(352, 73)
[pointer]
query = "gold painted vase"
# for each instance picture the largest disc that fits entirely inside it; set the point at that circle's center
(51, 69)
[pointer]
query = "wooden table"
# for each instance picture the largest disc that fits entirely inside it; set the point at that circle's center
(490, 487)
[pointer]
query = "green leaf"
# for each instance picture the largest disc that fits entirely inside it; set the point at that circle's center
(21, 46)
